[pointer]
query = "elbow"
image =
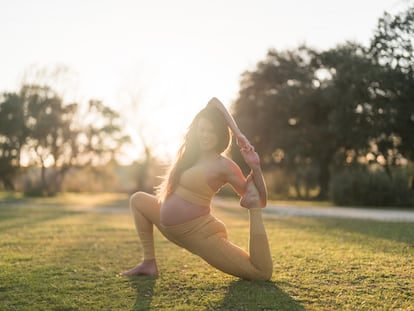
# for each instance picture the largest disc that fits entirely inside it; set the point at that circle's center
(213, 102)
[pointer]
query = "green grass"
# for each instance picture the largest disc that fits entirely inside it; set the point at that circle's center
(55, 257)
(71, 199)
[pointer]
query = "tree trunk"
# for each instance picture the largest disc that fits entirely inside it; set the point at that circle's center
(43, 180)
(297, 188)
(324, 179)
(8, 184)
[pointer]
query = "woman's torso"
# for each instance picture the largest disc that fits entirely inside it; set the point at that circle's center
(193, 194)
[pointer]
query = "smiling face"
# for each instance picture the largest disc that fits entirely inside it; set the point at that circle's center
(206, 135)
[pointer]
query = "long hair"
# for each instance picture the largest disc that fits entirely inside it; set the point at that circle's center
(189, 151)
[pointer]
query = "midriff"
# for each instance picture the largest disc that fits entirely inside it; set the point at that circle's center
(175, 210)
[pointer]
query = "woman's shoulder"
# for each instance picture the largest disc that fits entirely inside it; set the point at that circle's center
(227, 164)
(231, 173)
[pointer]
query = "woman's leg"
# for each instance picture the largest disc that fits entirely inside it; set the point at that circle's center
(259, 248)
(145, 209)
(207, 238)
(229, 258)
(210, 242)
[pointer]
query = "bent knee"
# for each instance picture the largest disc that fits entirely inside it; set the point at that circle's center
(136, 199)
(141, 200)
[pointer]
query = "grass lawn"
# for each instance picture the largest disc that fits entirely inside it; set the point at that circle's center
(61, 254)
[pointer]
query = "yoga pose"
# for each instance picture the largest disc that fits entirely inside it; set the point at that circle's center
(181, 211)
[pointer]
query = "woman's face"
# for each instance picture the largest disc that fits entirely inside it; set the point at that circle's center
(206, 135)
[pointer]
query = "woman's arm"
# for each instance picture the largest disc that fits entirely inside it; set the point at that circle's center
(214, 102)
(247, 150)
(242, 141)
(253, 161)
(234, 176)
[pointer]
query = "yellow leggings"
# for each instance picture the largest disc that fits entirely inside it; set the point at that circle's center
(206, 237)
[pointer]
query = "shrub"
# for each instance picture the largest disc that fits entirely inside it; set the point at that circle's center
(370, 188)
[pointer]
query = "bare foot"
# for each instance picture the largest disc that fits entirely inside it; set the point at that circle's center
(147, 267)
(251, 198)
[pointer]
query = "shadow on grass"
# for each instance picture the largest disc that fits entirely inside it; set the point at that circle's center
(248, 295)
(144, 286)
(401, 232)
(393, 231)
(12, 217)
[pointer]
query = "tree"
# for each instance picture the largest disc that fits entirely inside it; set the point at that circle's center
(54, 136)
(102, 135)
(392, 47)
(268, 108)
(143, 129)
(305, 110)
(13, 135)
(393, 42)
(52, 141)
(313, 111)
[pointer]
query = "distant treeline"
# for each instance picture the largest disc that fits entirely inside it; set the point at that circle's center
(335, 124)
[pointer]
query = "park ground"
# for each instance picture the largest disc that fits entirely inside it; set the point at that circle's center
(65, 253)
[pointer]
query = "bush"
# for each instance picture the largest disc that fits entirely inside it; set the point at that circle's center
(34, 189)
(363, 187)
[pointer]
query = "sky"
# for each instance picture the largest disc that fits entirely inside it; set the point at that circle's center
(158, 62)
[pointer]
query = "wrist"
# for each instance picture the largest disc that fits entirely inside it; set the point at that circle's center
(237, 132)
(255, 169)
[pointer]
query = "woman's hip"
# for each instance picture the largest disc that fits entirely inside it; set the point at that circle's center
(195, 231)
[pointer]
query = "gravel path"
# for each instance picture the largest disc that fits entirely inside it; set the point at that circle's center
(342, 212)
(333, 212)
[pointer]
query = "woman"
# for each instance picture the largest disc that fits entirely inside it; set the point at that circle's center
(182, 210)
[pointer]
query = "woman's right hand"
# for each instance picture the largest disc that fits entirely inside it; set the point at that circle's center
(243, 142)
(250, 156)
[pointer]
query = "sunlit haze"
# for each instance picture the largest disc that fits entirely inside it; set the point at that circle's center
(169, 57)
